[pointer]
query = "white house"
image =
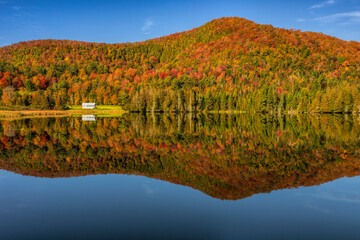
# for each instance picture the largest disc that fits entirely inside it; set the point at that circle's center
(90, 118)
(88, 105)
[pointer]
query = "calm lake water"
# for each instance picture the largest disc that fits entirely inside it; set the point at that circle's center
(180, 177)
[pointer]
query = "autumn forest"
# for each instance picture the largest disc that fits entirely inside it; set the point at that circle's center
(228, 64)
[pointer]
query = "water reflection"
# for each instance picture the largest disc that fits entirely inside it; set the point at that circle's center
(224, 156)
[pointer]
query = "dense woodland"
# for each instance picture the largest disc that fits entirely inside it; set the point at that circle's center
(227, 64)
(228, 156)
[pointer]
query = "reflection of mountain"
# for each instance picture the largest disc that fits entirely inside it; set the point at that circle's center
(225, 156)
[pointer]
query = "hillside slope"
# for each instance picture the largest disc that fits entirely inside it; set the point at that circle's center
(226, 64)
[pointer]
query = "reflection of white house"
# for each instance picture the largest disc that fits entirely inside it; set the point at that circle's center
(88, 105)
(88, 118)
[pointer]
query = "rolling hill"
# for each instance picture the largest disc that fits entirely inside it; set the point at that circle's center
(226, 64)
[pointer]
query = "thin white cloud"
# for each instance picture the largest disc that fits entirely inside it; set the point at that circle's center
(323, 4)
(354, 16)
(300, 20)
(15, 7)
(148, 24)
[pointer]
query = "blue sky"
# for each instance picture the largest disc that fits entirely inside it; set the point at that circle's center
(137, 20)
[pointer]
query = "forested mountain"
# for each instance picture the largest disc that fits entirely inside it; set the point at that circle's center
(226, 64)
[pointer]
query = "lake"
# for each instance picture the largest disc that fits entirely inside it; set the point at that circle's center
(160, 176)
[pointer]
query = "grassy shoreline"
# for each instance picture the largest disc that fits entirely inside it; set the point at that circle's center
(73, 110)
(100, 110)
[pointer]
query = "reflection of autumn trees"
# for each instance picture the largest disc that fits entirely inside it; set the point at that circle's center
(226, 64)
(225, 156)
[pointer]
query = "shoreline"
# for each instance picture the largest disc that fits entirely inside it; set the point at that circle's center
(55, 113)
(13, 114)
